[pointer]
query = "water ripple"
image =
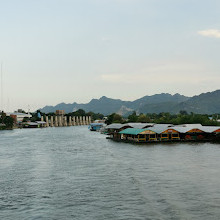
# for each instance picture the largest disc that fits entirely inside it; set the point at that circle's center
(72, 173)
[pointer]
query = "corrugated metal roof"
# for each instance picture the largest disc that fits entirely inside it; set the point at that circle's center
(189, 125)
(163, 125)
(159, 128)
(116, 126)
(210, 129)
(181, 129)
(140, 125)
(188, 128)
(132, 125)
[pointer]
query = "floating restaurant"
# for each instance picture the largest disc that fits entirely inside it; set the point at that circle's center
(163, 133)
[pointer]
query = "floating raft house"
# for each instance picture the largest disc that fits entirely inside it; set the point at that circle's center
(163, 132)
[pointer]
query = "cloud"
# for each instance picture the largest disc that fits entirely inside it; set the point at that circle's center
(135, 79)
(161, 74)
(210, 33)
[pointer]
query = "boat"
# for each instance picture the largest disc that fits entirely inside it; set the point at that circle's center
(96, 126)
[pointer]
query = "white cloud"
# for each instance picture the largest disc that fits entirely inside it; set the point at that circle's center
(157, 79)
(164, 74)
(210, 33)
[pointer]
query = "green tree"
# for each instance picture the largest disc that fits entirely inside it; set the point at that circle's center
(117, 118)
(143, 118)
(109, 119)
(8, 121)
(95, 116)
(183, 112)
(133, 117)
(114, 118)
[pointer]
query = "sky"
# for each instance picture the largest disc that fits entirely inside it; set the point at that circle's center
(54, 51)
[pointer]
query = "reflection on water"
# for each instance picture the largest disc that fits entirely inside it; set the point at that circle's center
(72, 173)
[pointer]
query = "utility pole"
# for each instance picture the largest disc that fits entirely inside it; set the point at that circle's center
(2, 107)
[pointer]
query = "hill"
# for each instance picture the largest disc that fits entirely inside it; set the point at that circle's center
(205, 103)
(107, 106)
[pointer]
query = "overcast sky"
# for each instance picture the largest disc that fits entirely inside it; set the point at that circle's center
(69, 51)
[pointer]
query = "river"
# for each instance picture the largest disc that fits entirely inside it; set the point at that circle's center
(72, 173)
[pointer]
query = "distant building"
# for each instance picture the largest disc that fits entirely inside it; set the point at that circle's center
(60, 112)
(18, 117)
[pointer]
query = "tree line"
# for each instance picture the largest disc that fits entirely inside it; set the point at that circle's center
(166, 118)
(162, 118)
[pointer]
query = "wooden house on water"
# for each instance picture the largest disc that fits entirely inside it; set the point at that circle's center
(167, 132)
(138, 135)
(114, 129)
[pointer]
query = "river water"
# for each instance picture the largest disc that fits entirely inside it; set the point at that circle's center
(72, 173)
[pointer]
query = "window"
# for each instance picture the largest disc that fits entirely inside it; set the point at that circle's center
(152, 136)
(164, 135)
(175, 135)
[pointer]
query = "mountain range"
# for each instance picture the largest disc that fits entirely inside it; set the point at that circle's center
(205, 103)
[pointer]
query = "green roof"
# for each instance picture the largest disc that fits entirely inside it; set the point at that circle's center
(133, 131)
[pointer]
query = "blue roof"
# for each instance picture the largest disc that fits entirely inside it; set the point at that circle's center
(133, 131)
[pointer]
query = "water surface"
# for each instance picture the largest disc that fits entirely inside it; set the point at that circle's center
(72, 173)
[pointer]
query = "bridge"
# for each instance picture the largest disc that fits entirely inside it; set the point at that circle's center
(62, 121)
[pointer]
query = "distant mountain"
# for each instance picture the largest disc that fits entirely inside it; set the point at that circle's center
(160, 107)
(104, 105)
(142, 103)
(206, 103)
(107, 106)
